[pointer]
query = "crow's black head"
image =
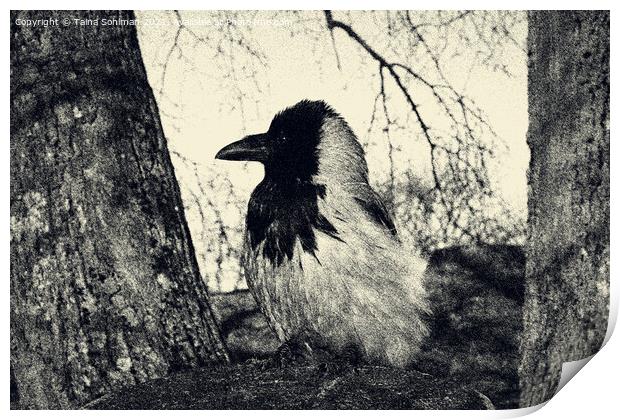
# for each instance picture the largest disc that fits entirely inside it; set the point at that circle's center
(283, 208)
(307, 149)
(289, 148)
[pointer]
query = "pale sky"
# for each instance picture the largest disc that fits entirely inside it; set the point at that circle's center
(201, 112)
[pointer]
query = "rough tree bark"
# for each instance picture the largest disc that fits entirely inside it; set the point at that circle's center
(105, 288)
(567, 271)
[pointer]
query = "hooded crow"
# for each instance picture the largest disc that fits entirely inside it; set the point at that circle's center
(322, 256)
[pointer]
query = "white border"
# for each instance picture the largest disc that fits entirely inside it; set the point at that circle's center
(592, 395)
(314, 5)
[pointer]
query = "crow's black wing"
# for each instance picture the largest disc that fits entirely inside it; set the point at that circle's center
(370, 201)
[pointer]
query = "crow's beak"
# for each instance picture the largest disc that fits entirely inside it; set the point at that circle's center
(252, 147)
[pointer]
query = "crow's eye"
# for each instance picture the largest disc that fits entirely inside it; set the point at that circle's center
(278, 137)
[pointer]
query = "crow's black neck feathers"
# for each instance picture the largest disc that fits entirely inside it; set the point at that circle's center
(284, 206)
(278, 215)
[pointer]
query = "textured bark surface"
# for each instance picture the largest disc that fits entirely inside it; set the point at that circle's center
(567, 270)
(105, 288)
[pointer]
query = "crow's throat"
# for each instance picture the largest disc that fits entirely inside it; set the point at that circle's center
(280, 213)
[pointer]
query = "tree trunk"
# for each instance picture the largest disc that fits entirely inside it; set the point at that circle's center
(105, 287)
(567, 271)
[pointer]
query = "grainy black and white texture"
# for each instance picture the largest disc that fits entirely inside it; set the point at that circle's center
(567, 270)
(105, 289)
(322, 256)
(388, 293)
